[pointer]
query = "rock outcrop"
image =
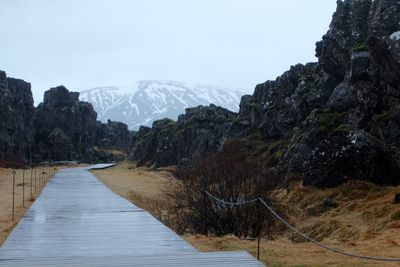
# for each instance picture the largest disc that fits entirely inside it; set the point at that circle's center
(113, 135)
(339, 116)
(198, 131)
(60, 128)
(65, 128)
(16, 111)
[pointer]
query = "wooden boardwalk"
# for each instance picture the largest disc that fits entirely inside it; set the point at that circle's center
(77, 221)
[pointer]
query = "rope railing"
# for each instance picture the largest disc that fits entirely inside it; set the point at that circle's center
(297, 231)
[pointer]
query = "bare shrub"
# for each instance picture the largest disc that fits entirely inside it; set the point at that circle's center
(234, 177)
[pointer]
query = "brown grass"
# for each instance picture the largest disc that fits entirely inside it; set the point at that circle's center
(365, 222)
(141, 186)
(283, 252)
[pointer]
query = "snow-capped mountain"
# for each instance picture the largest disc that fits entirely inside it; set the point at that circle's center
(147, 101)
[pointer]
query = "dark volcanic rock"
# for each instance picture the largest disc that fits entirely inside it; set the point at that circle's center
(113, 134)
(341, 114)
(277, 107)
(60, 128)
(199, 130)
(65, 127)
(343, 155)
(384, 38)
(348, 30)
(16, 110)
(342, 98)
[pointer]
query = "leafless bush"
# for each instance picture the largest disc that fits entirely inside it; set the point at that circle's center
(232, 176)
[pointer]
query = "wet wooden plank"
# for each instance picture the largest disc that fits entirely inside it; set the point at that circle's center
(231, 259)
(78, 221)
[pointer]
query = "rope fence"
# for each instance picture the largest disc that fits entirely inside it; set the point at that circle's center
(297, 231)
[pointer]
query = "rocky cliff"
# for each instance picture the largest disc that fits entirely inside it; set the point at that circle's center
(16, 112)
(339, 117)
(114, 135)
(198, 131)
(60, 128)
(340, 114)
(65, 128)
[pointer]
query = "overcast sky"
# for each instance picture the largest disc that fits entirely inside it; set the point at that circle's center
(87, 43)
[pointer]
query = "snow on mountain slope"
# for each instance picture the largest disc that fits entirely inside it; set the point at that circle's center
(147, 101)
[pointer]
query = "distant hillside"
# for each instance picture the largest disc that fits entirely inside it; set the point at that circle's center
(147, 101)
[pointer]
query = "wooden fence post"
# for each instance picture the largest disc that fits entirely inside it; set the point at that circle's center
(35, 181)
(13, 195)
(23, 188)
(31, 183)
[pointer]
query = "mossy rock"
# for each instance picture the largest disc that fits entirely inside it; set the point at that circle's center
(254, 105)
(342, 128)
(329, 121)
(237, 120)
(309, 78)
(359, 47)
(148, 135)
(278, 155)
(316, 80)
(381, 117)
(168, 130)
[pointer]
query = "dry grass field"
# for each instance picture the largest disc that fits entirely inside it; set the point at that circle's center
(365, 222)
(139, 185)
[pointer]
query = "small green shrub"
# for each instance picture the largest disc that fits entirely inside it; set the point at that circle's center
(331, 121)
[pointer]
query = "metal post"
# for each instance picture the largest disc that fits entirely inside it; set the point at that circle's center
(31, 183)
(40, 177)
(23, 188)
(13, 197)
(258, 247)
(35, 181)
